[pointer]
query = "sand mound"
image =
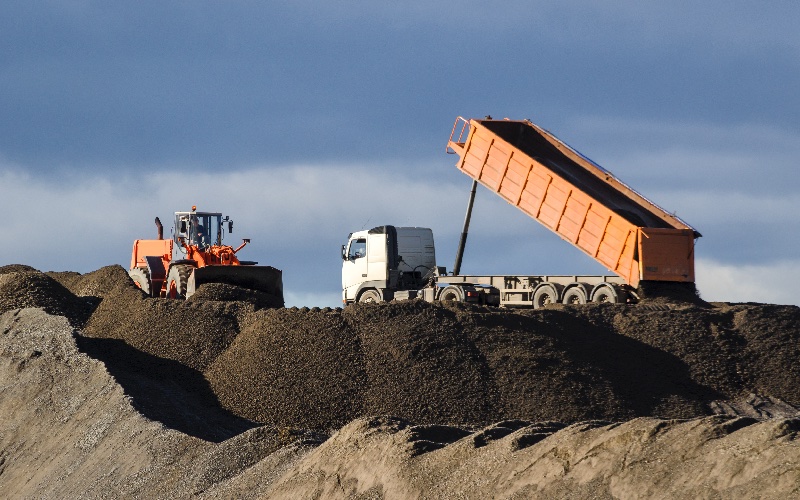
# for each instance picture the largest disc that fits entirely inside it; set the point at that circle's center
(67, 429)
(713, 457)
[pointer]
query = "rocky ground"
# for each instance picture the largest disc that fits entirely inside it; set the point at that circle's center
(107, 393)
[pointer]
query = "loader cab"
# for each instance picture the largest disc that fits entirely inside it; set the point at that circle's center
(200, 229)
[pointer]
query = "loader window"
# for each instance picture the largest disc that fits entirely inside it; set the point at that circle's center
(358, 249)
(206, 230)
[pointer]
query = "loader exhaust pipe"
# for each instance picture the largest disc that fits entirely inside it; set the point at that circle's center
(160, 229)
(463, 241)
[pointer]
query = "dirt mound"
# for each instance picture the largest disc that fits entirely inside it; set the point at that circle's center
(192, 333)
(228, 293)
(17, 268)
(434, 363)
(293, 367)
(22, 287)
(452, 363)
(670, 293)
(473, 380)
(95, 284)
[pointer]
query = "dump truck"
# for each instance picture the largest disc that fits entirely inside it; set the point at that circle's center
(195, 254)
(558, 187)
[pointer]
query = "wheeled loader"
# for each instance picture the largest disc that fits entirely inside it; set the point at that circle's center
(176, 267)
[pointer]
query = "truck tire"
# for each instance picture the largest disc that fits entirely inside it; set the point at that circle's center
(544, 295)
(574, 296)
(371, 295)
(141, 278)
(605, 294)
(177, 281)
(452, 293)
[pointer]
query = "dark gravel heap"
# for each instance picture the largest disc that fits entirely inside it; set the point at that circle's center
(428, 363)
(229, 293)
(293, 367)
(17, 268)
(23, 286)
(95, 284)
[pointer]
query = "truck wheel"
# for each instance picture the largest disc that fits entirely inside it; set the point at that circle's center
(544, 295)
(141, 278)
(605, 295)
(370, 295)
(574, 296)
(177, 280)
(452, 293)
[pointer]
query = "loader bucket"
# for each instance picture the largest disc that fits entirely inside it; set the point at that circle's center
(265, 279)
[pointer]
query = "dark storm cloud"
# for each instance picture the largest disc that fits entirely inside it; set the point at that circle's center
(210, 84)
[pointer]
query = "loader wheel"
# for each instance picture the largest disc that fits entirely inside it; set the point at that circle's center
(141, 278)
(177, 280)
(370, 295)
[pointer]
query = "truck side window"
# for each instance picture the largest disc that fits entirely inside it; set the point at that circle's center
(358, 249)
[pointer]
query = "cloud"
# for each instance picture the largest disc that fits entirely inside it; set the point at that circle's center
(773, 283)
(297, 215)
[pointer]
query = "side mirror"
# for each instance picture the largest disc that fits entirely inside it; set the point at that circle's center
(183, 227)
(344, 252)
(230, 226)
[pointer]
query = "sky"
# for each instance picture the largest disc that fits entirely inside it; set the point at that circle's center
(305, 121)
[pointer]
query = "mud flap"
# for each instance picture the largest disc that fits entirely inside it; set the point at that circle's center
(265, 279)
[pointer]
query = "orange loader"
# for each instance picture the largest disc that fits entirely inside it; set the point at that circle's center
(176, 267)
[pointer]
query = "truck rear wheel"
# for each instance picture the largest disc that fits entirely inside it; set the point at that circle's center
(177, 281)
(574, 296)
(452, 293)
(605, 295)
(370, 295)
(545, 295)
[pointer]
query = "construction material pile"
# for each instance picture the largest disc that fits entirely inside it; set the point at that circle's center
(206, 394)
(428, 363)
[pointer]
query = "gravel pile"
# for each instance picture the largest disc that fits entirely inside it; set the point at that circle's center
(225, 350)
(231, 293)
(293, 367)
(192, 333)
(95, 284)
(23, 286)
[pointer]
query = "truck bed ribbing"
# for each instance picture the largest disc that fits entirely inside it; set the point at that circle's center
(577, 199)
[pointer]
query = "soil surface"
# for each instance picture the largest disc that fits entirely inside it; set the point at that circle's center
(106, 392)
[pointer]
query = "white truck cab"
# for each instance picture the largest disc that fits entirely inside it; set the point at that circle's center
(377, 261)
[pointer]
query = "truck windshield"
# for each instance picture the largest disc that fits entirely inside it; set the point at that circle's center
(358, 249)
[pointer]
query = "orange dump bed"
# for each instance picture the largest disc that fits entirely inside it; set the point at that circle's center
(576, 198)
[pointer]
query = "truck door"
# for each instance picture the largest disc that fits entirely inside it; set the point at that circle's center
(354, 266)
